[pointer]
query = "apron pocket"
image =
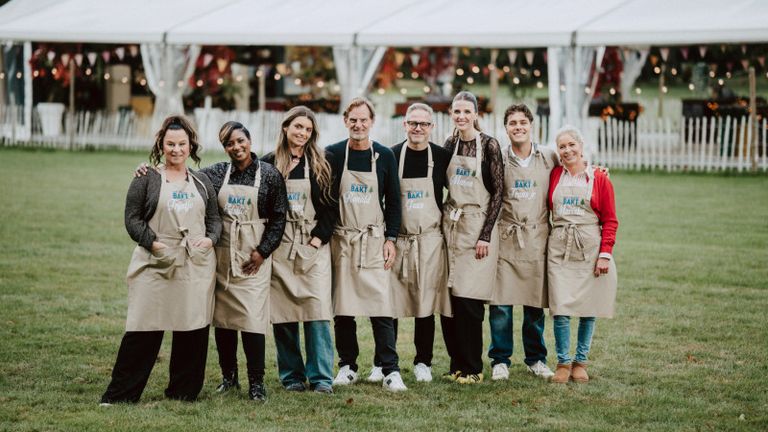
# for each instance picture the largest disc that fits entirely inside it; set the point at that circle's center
(374, 253)
(163, 258)
(200, 256)
(306, 258)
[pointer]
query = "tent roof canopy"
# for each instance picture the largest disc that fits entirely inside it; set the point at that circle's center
(665, 22)
(484, 23)
(286, 22)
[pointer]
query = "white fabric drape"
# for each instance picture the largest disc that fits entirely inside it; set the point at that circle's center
(633, 60)
(554, 71)
(355, 68)
(168, 68)
(578, 64)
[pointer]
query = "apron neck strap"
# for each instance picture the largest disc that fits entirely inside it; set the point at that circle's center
(306, 166)
(374, 156)
(401, 164)
(256, 178)
(478, 152)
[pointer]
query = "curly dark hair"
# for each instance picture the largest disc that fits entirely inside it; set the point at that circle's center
(175, 122)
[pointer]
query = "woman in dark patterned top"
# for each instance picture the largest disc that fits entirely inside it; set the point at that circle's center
(301, 271)
(253, 205)
(475, 184)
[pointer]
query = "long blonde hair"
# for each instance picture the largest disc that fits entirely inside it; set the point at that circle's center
(319, 165)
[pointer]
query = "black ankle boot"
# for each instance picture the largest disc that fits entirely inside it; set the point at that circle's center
(256, 389)
(228, 382)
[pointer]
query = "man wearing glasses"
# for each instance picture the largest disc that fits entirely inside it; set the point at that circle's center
(418, 276)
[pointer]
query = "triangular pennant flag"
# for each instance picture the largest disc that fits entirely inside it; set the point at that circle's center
(106, 55)
(512, 54)
(702, 50)
(207, 59)
(745, 63)
(529, 57)
(65, 59)
(51, 55)
(743, 49)
(684, 52)
(78, 59)
(91, 58)
(415, 57)
(664, 53)
(133, 50)
(399, 58)
(221, 64)
(120, 52)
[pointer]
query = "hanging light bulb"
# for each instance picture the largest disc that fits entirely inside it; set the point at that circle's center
(459, 71)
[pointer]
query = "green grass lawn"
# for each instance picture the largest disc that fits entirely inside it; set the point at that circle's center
(688, 349)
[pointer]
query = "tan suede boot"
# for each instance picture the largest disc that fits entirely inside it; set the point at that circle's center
(562, 374)
(579, 372)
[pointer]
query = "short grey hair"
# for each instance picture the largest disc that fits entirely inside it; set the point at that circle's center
(418, 106)
(571, 130)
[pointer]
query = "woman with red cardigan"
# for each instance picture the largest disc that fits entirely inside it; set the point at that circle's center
(580, 268)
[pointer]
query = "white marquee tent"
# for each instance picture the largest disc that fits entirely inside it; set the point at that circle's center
(171, 31)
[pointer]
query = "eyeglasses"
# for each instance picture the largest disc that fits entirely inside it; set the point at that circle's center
(415, 124)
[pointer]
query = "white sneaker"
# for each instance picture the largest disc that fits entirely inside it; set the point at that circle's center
(377, 374)
(423, 372)
(500, 372)
(541, 370)
(394, 382)
(346, 376)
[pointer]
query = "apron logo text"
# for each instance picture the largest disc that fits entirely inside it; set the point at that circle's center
(180, 202)
(572, 205)
(237, 205)
(523, 189)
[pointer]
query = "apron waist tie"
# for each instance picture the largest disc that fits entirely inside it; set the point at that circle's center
(362, 234)
(301, 229)
(573, 237)
(412, 249)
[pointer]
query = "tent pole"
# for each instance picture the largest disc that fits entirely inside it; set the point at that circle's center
(494, 79)
(262, 75)
(71, 114)
(661, 91)
(753, 114)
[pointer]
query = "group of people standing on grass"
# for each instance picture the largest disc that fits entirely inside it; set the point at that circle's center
(358, 229)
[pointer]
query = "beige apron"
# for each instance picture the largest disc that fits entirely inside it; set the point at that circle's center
(524, 228)
(242, 301)
(172, 289)
(463, 219)
(360, 283)
(418, 277)
(301, 274)
(574, 246)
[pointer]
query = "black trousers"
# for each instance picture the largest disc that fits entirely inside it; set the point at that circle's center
(345, 330)
(423, 340)
(463, 335)
(137, 356)
(253, 346)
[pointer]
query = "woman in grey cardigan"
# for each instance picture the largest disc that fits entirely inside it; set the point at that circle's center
(173, 215)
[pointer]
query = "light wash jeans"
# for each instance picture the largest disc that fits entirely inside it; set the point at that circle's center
(318, 369)
(562, 330)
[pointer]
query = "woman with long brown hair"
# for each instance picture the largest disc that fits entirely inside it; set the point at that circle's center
(172, 214)
(475, 186)
(301, 266)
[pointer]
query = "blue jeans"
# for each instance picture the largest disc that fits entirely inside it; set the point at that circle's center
(563, 338)
(319, 366)
(501, 335)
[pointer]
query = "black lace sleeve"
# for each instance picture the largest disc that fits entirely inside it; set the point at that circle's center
(493, 164)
